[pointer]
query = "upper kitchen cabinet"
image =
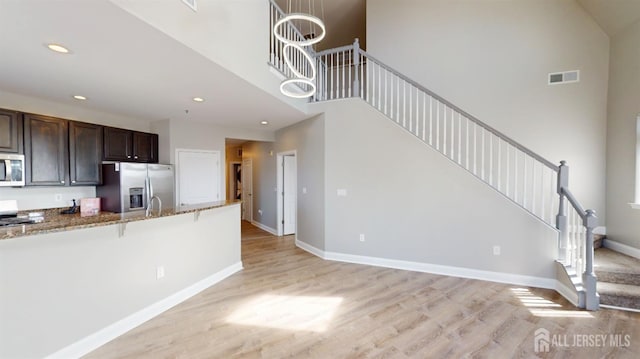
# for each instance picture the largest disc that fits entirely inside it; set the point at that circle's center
(131, 146)
(10, 131)
(85, 154)
(46, 150)
(145, 147)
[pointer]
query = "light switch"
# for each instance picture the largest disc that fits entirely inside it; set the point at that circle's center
(342, 192)
(304, 190)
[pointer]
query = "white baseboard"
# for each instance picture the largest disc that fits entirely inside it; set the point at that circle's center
(311, 249)
(433, 268)
(265, 228)
(568, 293)
(622, 248)
(105, 335)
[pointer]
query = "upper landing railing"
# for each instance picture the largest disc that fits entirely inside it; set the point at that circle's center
(532, 182)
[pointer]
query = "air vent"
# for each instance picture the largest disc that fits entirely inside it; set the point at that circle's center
(557, 78)
(192, 4)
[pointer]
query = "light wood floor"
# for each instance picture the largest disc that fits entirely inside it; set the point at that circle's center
(288, 303)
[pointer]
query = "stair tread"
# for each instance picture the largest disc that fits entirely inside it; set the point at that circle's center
(607, 260)
(619, 289)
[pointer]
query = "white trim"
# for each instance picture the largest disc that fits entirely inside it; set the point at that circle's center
(619, 308)
(105, 335)
(311, 249)
(279, 186)
(498, 277)
(622, 248)
(602, 230)
(569, 294)
(265, 228)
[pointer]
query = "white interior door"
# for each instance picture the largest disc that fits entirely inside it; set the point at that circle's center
(198, 176)
(290, 188)
(247, 190)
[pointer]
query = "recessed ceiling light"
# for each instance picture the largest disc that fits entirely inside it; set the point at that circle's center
(79, 97)
(198, 99)
(264, 122)
(58, 48)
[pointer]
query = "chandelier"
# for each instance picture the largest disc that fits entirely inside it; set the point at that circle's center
(288, 31)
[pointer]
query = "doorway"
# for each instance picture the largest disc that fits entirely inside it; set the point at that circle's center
(235, 181)
(247, 189)
(287, 178)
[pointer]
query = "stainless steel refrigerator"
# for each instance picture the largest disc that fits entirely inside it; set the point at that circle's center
(130, 187)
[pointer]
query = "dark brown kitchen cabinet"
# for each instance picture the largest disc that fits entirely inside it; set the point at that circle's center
(85, 154)
(130, 146)
(46, 150)
(145, 147)
(10, 131)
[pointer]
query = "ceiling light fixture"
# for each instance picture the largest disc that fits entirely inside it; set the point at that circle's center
(264, 123)
(58, 48)
(198, 99)
(79, 97)
(287, 30)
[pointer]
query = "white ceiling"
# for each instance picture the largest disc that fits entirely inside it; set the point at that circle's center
(123, 66)
(613, 15)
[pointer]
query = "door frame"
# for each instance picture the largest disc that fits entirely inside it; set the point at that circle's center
(280, 188)
(221, 175)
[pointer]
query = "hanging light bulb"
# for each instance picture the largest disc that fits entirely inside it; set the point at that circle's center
(303, 85)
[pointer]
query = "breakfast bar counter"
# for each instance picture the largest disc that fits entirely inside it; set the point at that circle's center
(56, 222)
(72, 283)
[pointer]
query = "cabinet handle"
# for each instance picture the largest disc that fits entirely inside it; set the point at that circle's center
(73, 181)
(62, 182)
(136, 157)
(128, 156)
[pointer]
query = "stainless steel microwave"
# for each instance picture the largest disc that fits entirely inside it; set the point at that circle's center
(11, 170)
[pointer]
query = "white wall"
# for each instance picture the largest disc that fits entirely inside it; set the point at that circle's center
(492, 58)
(623, 222)
(308, 140)
(263, 162)
(59, 288)
(413, 204)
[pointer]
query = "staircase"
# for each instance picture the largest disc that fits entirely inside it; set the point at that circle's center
(533, 183)
(618, 279)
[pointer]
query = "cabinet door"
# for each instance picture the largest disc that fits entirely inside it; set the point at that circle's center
(145, 147)
(10, 132)
(118, 144)
(85, 154)
(46, 150)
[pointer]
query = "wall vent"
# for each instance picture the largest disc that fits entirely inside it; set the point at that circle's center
(565, 77)
(192, 4)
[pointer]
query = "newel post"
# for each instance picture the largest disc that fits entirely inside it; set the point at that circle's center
(356, 67)
(589, 277)
(561, 218)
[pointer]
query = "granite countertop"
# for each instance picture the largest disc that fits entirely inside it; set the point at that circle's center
(56, 222)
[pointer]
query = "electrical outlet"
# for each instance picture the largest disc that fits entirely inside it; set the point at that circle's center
(58, 197)
(160, 272)
(304, 190)
(361, 237)
(496, 250)
(260, 212)
(342, 192)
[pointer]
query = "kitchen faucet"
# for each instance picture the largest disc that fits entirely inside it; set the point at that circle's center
(150, 206)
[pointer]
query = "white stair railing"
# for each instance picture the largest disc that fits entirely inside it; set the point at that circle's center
(532, 182)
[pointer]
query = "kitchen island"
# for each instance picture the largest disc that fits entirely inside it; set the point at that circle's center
(72, 283)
